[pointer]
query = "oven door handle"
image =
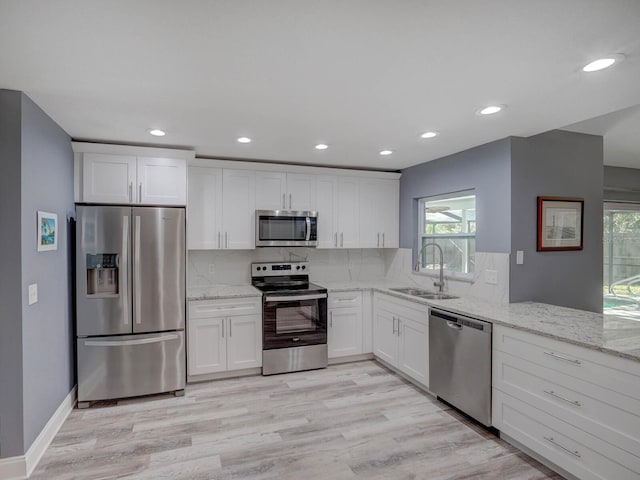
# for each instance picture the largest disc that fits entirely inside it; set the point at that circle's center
(294, 298)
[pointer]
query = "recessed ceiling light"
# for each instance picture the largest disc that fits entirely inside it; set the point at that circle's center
(244, 140)
(157, 133)
(386, 152)
(602, 63)
(490, 109)
(321, 146)
(429, 134)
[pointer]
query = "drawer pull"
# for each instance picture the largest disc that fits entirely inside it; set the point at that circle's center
(562, 357)
(575, 453)
(560, 397)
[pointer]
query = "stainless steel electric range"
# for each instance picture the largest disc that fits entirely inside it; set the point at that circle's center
(294, 317)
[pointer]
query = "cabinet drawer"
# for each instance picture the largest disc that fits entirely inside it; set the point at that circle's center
(603, 413)
(579, 453)
(402, 308)
(225, 307)
(344, 300)
(608, 371)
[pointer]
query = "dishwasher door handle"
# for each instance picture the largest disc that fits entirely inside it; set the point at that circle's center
(455, 326)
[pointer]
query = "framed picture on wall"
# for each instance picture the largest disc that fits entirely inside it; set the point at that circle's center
(560, 223)
(47, 231)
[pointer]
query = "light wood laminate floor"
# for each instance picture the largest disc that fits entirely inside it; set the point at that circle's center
(351, 421)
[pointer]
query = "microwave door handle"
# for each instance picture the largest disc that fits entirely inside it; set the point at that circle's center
(308, 235)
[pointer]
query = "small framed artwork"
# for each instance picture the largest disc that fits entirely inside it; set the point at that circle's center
(560, 223)
(47, 231)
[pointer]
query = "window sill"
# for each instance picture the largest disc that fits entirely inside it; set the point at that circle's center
(457, 277)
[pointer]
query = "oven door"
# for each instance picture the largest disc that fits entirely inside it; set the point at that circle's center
(294, 320)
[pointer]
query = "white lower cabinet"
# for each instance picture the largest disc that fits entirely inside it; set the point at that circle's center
(224, 335)
(576, 407)
(345, 332)
(401, 336)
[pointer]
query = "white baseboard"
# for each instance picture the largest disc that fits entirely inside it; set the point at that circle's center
(18, 468)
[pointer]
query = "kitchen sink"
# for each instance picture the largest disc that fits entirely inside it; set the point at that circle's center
(426, 294)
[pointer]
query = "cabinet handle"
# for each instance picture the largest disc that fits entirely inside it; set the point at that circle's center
(284, 204)
(560, 397)
(130, 191)
(551, 440)
(218, 239)
(335, 239)
(226, 239)
(378, 239)
(394, 325)
(223, 322)
(289, 201)
(230, 329)
(382, 239)
(330, 319)
(140, 193)
(342, 239)
(398, 326)
(563, 358)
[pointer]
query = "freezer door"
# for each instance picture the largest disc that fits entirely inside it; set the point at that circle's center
(158, 269)
(103, 285)
(130, 365)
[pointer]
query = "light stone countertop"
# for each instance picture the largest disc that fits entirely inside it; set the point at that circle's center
(214, 292)
(606, 333)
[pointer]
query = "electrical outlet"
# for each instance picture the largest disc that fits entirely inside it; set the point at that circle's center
(33, 293)
(519, 257)
(491, 277)
(212, 268)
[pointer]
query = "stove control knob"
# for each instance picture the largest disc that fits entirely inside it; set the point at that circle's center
(297, 267)
(304, 266)
(264, 268)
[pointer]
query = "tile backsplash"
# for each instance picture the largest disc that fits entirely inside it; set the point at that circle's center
(232, 267)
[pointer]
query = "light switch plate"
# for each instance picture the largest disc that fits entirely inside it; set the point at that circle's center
(519, 257)
(33, 293)
(491, 277)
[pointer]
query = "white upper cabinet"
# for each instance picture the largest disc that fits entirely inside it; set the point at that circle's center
(204, 208)
(285, 191)
(348, 213)
(221, 208)
(327, 192)
(108, 178)
(379, 213)
(162, 181)
(238, 209)
(118, 174)
(338, 210)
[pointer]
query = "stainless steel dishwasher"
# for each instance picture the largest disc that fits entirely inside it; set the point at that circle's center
(460, 362)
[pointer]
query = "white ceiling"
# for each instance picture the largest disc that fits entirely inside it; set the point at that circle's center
(359, 75)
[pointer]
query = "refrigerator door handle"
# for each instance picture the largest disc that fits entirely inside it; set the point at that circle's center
(136, 269)
(124, 275)
(124, 343)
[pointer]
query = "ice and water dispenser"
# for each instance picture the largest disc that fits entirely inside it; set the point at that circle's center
(102, 274)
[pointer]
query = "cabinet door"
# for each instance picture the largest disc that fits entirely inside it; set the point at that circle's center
(385, 341)
(327, 206)
(348, 213)
(301, 192)
(370, 203)
(413, 351)
(244, 342)
(271, 191)
(204, 208)
(389, 194)
(345, 332)
(108, 178)
(238, 209)
(207, 345)
(162, 181)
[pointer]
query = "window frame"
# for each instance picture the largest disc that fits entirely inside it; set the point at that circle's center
(433, 236)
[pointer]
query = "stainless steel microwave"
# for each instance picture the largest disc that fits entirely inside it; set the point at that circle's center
(286, 228)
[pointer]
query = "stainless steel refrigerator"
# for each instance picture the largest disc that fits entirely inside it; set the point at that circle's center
(130, 301)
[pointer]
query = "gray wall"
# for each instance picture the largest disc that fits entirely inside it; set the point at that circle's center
(486, 169)
(36, 353)
(563, 164)
(621, 184)
(11, 435)
(47, 184)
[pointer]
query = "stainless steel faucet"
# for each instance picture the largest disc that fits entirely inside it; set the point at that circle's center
(439, 283)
